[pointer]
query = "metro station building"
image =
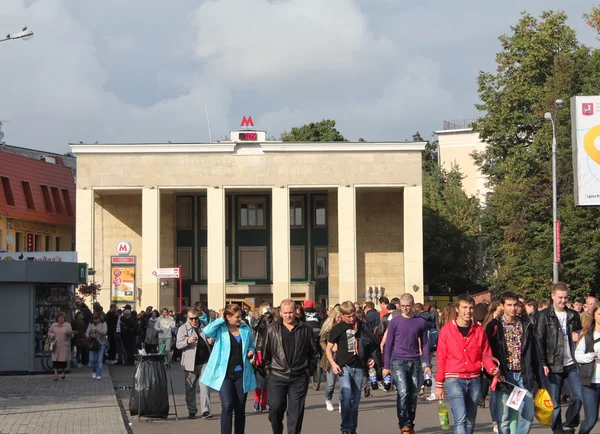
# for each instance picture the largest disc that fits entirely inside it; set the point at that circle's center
(252, 220)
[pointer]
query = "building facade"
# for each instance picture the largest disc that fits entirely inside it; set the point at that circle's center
(251, 220)
(457, 143)
(37, 203)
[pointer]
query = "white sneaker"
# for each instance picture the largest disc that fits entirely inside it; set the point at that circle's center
(496, 427)
(94, 375)
(340, 408)
(98, 378)
(431, 397)
(79, 365)
(329, 405)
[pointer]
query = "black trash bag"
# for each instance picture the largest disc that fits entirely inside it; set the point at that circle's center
(150, 392)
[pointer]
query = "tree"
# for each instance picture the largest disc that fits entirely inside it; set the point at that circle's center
(323, 131)
(450, 227)
(540, 61)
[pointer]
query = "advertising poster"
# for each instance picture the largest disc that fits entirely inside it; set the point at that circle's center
(585, 114)
(123, 283)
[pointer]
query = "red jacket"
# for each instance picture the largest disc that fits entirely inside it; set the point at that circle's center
(459, 357)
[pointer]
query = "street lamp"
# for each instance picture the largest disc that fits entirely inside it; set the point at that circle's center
(24, 34)
(555, 222)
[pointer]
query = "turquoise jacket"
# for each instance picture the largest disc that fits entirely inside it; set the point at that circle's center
(216, 368)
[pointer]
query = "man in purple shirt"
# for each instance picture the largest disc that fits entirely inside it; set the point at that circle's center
(407, 336)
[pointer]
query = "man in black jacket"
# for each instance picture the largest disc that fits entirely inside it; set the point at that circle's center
(513, 343)
(111, 324)
(290, 355)
(558, 329)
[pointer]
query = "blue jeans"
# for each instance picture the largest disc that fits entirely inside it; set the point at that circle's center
(507, 414)
(331, 380)
(233, 400)
(350, 391)
(555, 382)
(591, 400)
(464, 398)
(96, 359)
(407, 375)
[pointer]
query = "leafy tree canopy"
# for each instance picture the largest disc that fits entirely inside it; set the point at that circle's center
(323, 131)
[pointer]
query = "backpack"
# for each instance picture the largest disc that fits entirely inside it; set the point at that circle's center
(432, 337)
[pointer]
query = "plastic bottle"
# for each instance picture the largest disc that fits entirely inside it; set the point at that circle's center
(387, 382)
(373, 378)
(443, 415)
(427, 381)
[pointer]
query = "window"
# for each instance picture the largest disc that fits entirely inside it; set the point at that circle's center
(252, 213)
(184, 213)
(18, 241)
(8, 194)
(1, 241)
(60, 209)
(321, 263)
(297, 267)
(296, 211)
(28, 196)
(320, 203)
(58, 244)
(253, 263)
(46, 197)
(184, 257)
(48, 243)
(38, 243)
(68, 203)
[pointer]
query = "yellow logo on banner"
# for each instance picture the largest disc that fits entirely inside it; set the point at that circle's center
(589, 143)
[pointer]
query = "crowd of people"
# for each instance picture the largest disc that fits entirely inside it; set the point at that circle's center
(271, 352)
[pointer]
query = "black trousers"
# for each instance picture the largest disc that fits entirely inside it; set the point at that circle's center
(112, 346)
(286, 397)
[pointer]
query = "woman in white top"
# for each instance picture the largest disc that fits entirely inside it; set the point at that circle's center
(586, 354)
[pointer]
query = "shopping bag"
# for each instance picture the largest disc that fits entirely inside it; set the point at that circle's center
(544, 407)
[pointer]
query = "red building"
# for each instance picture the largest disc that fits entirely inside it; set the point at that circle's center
(37, 202)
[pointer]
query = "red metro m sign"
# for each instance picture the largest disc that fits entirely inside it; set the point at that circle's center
(247, 122)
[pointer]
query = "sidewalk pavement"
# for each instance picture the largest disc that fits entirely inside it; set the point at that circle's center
(78, 404)
(377, 413)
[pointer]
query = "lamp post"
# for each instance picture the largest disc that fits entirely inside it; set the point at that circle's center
(24, 34)
(555, 222)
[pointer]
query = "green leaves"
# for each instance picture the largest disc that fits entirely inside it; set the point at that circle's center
(540, 62)
(323, 131)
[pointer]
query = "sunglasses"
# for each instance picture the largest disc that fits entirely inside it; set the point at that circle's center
(192, 318)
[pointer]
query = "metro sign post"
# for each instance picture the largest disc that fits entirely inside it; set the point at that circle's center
(247, 122)
(171, 273)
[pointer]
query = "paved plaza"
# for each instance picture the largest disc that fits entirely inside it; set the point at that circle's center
(79, 404)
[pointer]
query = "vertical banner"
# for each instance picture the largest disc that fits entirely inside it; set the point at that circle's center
(30, 243)
(585, 132)
(122, 272)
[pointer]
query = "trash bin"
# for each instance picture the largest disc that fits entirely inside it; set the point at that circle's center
(150, 392)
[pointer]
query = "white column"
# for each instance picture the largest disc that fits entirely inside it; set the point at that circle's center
(84, 229)
(150, 248)
(281, 244)
(413, 242)
(215, 210)
(347, 243)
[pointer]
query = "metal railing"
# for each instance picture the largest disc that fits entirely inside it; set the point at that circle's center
(458, 124)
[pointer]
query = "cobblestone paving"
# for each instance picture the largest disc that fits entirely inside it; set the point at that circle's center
(78, 404)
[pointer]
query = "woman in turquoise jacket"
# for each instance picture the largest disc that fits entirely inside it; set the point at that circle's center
(229, 369)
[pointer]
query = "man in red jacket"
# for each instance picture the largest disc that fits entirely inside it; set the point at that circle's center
(462, 344)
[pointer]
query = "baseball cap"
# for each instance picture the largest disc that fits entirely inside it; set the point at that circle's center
(309, 303)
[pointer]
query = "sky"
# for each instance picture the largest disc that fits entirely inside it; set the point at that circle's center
(117, 71)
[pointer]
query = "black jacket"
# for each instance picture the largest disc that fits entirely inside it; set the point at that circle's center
(373, 319)
(530, 366)
(368, 346)
(111, 322)
(306, 354)
(550, 340)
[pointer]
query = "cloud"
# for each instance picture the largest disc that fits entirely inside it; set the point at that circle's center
(144, 70)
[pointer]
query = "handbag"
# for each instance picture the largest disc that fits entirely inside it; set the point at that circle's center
(93, 344)
(49, 344)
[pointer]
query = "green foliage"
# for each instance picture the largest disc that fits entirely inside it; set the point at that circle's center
(540, 62)
(323, 131)
(450, 232)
